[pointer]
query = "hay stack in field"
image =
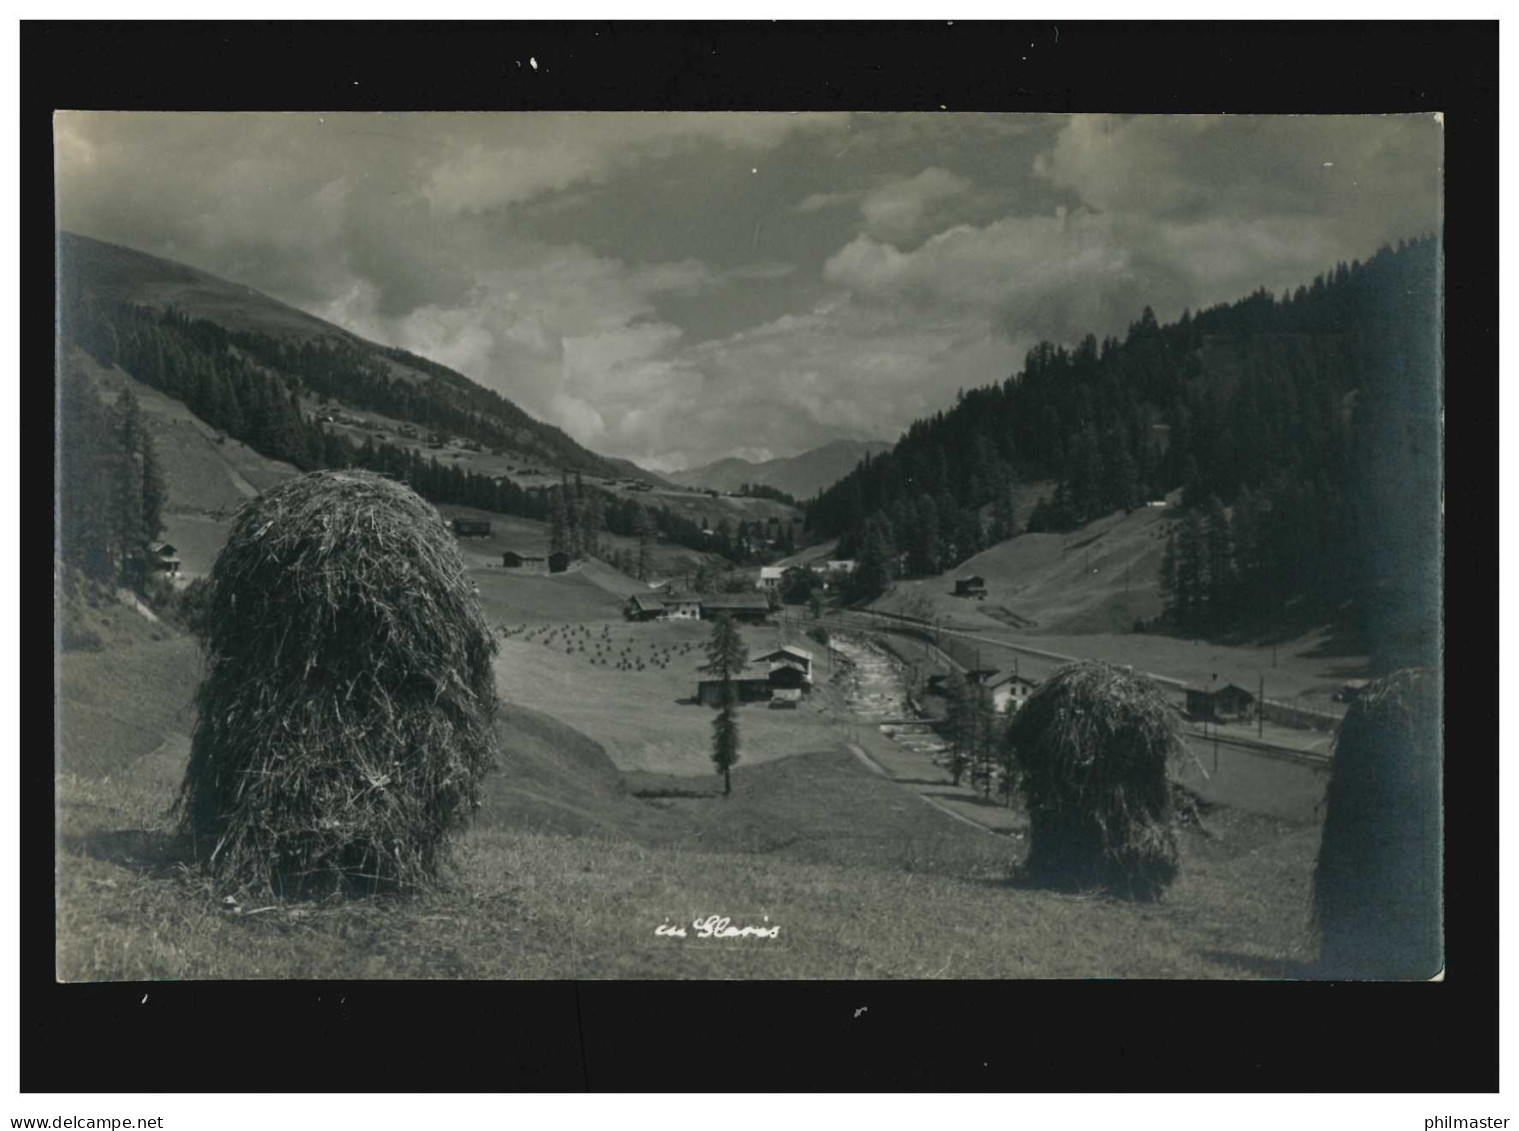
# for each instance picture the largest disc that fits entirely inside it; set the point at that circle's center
(1377, 886)
(346, 712)
(1096, 748)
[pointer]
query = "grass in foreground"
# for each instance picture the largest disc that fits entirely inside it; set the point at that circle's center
(863, 880)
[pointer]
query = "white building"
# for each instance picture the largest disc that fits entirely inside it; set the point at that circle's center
(1009, 691)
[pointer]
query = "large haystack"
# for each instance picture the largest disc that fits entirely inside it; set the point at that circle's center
(345, 716)
(1376, 890)
(1095, 748)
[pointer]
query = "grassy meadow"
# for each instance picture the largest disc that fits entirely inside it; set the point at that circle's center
(604, 821)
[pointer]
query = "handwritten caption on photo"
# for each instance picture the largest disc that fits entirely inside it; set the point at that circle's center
(717, 927)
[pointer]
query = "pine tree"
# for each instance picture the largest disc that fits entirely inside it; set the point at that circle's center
(959, 723)
(643, 530)
(1192, 571)
(726, 657)
(559, 525)
(1170, 582)
(1220, 549)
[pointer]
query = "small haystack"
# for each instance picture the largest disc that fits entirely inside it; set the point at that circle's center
(345, 716)
(1096, 748)
(1377, 889)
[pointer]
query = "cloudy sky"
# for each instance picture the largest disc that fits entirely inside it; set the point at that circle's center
(676, 288)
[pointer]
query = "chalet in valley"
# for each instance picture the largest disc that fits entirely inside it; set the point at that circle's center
(163, 558)
(972, 586)
(1228, 702)
(1010, 691)
(666, 605)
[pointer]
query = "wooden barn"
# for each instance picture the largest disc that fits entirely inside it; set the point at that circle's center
(973, 586)
(739, 606)
(642, 606)
(559, 561)
(527, 563)
(1233, 702)
(163, 558)
(1228, 702)
(791, 658)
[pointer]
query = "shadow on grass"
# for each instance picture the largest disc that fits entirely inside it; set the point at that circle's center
(1272, 969)
(152, 851)
(680, 794)
(968, 798)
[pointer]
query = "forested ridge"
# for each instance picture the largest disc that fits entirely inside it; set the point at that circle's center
(248, 385)
(1303, 430)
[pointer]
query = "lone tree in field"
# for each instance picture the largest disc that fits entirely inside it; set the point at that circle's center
(1096, 748)
(1376, 889)
(346, 712)
(726, 657)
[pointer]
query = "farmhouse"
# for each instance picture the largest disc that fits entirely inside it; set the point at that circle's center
(1010, 691)
(788, 656)
(471, 528)
(770, 577)
(163, 558)
(1232, 702)
(1228, 702)
(973, 586)
(663, 606)
(739, 606)
(644, 607)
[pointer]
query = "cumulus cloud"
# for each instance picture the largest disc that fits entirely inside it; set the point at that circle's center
(895, 209)
(514, 158)
(527, 250)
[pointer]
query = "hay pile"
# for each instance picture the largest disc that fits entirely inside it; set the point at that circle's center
(1096, 748)
(1377, 886)
(345, 716)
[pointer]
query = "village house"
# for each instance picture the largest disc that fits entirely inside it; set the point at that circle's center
(528, 563)
(973, 586)
(1228, 702)
(697, 606)
(790, 655)
(163, 558)
(1010, 691)
(739, 606)
(770, 578)
(644, 606)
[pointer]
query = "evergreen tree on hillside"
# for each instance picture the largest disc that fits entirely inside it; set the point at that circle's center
(85, 487)
(1192, 572)
(559, 525)
(727, 656)
(1220, 550)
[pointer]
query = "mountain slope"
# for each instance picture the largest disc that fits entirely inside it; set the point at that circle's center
(97, 281)
(800, 476)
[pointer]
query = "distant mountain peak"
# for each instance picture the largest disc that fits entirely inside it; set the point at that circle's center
(800, 476)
